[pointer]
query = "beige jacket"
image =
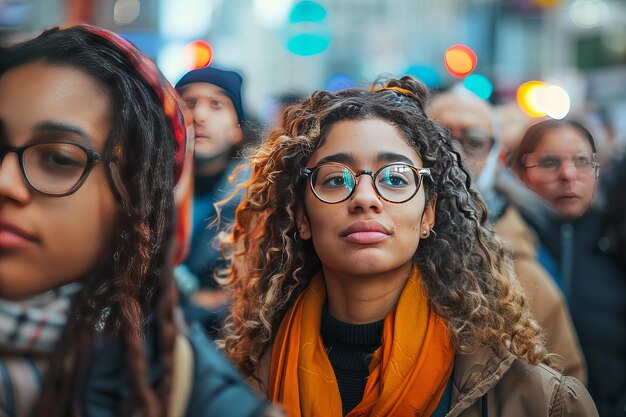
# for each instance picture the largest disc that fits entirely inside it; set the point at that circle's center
(544, 298)
(513, 388)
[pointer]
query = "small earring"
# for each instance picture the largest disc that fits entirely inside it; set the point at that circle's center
(425, 233)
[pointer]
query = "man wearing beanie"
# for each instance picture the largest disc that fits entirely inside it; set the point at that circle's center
(212, 97)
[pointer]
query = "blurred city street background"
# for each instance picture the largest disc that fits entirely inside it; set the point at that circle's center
(573, 52)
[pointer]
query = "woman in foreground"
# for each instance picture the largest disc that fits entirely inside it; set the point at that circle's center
(364, 280)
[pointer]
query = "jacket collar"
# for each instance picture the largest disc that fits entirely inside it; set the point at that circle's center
(474, 375)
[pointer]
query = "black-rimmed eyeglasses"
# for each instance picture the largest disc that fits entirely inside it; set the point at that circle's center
(334, 182)
(54, 169)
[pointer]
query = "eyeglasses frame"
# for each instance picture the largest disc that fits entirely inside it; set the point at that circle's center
(420, 172)
(461, 140)
(93, 158)
(594, 165)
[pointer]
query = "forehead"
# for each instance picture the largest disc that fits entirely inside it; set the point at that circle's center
(365, 141)
(458, 113)
(39, 92)
(200, 90)
(564, 140)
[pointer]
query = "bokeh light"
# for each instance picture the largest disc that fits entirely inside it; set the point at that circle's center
(588, 14)
(426, 74)
(198, 54)
(339, 81)
(539, 99)
(307, 11)
(479, 85)
(555, 101)
(308, 32)
(528, 99)
(126, 12)
(460, 60)
(271, 14)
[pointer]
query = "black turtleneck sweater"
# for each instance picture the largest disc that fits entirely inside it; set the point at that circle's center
(350, 348)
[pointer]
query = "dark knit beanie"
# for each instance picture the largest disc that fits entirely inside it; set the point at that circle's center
(229, 81)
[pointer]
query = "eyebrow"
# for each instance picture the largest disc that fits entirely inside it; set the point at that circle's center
(50, 126)
(347, 158)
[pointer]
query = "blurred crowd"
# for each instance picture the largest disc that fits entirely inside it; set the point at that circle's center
(380, 250)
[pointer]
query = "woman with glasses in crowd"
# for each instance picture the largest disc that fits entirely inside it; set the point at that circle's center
(92, 144)
(556, 160)
(364, 280)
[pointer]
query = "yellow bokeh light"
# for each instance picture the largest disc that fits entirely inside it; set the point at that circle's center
(529, 98)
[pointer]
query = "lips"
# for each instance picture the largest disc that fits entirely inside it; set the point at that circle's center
(365, 233)
(12, 237)
(201, 133)
(568, 196)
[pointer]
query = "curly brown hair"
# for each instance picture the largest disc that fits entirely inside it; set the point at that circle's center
(467, 271)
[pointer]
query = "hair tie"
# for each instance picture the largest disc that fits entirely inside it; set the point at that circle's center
(396, 89)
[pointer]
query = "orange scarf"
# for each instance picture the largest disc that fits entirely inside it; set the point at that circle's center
(408, 373)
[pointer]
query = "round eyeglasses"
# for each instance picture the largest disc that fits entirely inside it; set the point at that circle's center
(334, 182)
(54, 169)
(551, 165)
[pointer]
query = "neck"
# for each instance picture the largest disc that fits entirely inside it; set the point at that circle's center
(364, 299)
(207, 169)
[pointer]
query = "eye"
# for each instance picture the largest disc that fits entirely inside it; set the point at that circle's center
(395, 177)
(338, 179)
(475, 143)
(549, 163)
(58, 158)
(216, 104)
(582, 162)
(191, 103)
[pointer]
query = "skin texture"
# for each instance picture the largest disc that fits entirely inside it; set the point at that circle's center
(215, 124)
(457, 112)
(570, 192)
(47, 241)
(364, 278)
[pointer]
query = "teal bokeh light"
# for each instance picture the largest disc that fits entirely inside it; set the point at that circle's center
(426, 74)
(307, 11)
(307, 32)
(306, 44)
(479, 85)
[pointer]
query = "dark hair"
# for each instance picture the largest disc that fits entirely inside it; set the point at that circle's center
(468, 275)
(535, 134)
(132, 280)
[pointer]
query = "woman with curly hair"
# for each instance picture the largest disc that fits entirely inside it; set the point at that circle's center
(365, 282)
(92, 144)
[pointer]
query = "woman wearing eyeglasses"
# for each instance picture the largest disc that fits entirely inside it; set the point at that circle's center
(92, 145)
(365, 282)
(556, 159)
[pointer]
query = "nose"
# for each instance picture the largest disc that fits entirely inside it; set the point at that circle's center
(201, 113)
(567, 171)
(364, 197)
(13, 185)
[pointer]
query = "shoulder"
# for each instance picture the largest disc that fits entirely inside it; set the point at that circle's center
(512, 228)
(548, 390)
(218, 388)
(513, 387)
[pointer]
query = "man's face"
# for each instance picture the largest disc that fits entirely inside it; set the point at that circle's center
(214, 120)
(470, 126)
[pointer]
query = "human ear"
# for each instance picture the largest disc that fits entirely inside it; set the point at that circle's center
(302, 220)
(428, 217)
(237, 135)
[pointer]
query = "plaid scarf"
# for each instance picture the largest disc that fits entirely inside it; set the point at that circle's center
(29, 330)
